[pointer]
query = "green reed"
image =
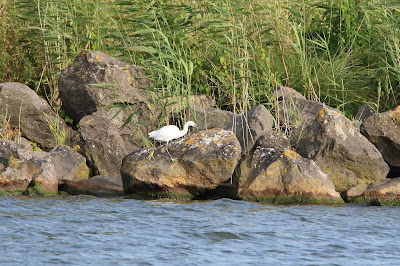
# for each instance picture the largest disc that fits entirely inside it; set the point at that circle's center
(340, 52)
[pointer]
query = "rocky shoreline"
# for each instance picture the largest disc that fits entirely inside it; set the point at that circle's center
(323, 158)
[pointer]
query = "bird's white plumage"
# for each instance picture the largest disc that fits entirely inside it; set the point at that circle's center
(167, 133)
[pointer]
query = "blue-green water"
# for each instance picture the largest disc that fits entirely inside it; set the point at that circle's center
(96, 231)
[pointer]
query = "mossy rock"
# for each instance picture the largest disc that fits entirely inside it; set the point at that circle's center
(294, 199)
(371, 201)
(35, 189)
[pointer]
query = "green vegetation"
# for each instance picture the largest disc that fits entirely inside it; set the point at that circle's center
(341, 52)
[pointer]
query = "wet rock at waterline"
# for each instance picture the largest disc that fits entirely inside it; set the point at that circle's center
(383, 130)
(204, 160)
(99, 82)
(31, 115)
(340, 150)
(100, 186)
(384, 193)
(39, 171)
(276, 175)
(102, 144)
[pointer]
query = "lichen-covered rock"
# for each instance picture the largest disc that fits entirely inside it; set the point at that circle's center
(203, 161)
(340, 150)
(102, 144)
(275, 175)
(383, 130)
(97, 81)
(100, 186)
(69, 164)
(31, 114)
(251, 125)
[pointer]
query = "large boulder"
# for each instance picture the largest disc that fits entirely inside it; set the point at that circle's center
(38, 171)
(202, 161)
(97, 81)
(276, 175)
(102, 144)
(340, 150)
(99, 186)
(32, 115)
(383, 130)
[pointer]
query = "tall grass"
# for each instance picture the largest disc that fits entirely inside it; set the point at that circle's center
(341, 52)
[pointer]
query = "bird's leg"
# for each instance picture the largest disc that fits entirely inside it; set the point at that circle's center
(151, 155)
(172, 159)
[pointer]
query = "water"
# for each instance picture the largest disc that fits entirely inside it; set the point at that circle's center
(96, 231)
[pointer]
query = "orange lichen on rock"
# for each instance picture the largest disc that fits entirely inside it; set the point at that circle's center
(290, 154)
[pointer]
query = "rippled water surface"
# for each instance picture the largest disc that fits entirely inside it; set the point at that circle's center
(95, 231)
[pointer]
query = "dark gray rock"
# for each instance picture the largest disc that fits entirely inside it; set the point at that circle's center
(365, 111)
(31, 114)
(275, 140)
(251, 125)
(383, 130)
(102, 144)
(118, 94)
(100, 186)
(208, 118)
(69, 164)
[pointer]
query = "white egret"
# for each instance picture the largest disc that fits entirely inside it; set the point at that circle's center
(170, 132)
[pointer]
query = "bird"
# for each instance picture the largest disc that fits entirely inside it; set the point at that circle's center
(170, 132)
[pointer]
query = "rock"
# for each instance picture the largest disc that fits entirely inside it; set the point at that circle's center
(383, 130)
(382, 194)
(69, 164)
(99, 186)
(355, 192)
(37, 166)
(38, 172)
(275, 140)
(293, 109)
(365, 111)
(247, 127)
(195, 102)
(251, 125)
(31, 114)
(119, 95)
(207, 118)
(204, 160)
(274, 175)
(340, 150)
(102, 144)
